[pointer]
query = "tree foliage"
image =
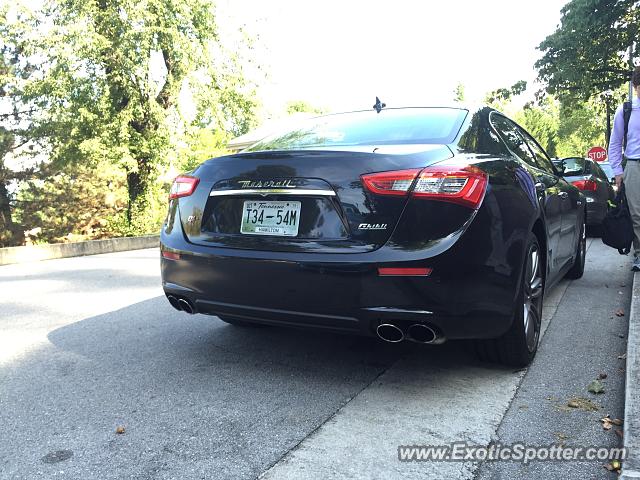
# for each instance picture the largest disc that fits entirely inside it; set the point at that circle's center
(458, 93)
(16, 136)
(581, 127)
(543, 122)
(588, 53)
(300, 106)
(131, 84)
(562, 130)
(500, 97)
(81, 202)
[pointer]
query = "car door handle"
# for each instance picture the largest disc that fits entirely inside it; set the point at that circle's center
(563, 195)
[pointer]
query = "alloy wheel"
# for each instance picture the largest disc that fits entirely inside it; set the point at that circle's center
(583, 244)
(533, 289)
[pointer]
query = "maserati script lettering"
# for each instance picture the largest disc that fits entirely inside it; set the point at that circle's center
(267, 183)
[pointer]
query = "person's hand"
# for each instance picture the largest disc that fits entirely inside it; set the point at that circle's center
(618, 180)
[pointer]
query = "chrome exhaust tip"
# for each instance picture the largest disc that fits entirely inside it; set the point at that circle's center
(421, 333)
(390, 333)
(175, 303)
(186, 306)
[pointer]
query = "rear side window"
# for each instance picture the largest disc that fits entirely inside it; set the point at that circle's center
(574, 166)
(389, 127)
(542, 159)
(479, 137)
(510, 135)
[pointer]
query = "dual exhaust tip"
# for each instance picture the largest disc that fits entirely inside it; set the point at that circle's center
(417, 332)
(181, 304)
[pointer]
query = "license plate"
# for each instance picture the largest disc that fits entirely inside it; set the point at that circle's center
(270, 218)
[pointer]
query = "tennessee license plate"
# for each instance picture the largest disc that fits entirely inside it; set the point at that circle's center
(270, 218)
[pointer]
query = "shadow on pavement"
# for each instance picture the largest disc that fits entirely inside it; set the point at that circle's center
(151, 331)
(198, 398)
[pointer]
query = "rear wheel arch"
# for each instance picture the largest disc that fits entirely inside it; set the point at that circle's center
(518, 345)
(538, 230)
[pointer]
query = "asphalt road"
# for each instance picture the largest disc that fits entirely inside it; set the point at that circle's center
(89, 344)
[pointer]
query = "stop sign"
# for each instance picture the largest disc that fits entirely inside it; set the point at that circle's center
(597, 154)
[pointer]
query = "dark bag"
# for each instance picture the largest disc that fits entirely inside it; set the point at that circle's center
(617, 227)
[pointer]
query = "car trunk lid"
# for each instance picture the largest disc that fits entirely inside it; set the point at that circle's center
(309, 200)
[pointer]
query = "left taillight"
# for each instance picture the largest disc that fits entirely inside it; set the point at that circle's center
(396, 183)
(183, 186)
(462, 185)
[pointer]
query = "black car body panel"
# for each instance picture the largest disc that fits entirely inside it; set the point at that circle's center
(328, 277)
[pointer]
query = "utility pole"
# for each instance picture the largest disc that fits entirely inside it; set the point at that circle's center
(608, 121)
(607, 97)
(631, 67)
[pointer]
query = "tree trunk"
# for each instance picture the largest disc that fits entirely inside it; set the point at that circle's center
(9, 231)
(138, 191)
(135, 188)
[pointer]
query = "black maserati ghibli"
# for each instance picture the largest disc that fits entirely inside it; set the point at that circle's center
(420, 224)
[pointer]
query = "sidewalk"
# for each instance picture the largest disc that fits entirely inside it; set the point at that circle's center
(631, 467)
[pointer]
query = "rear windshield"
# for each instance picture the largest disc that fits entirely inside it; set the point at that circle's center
(389, 127)
(573, 166)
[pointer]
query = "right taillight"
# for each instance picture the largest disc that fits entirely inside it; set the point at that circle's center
(588, 185)
(183, 186)
(465, 186)
(462, 185)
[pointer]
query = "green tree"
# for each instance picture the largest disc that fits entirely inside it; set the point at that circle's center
(203, 144)
(562, 130)
(111, 80)
(542, 121)
(16, 135)
(581, 127)
(81, 202)
(501, 97)
(458, 93)
(9, 229)
(588, 53)
(300, 106)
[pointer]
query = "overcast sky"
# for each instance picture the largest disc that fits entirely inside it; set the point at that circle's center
(341, 54)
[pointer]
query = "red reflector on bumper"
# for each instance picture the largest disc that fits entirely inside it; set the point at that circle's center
(406, 272)
(171, 255)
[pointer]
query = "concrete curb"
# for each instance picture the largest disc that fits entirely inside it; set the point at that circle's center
(34, 253)
(631, 466)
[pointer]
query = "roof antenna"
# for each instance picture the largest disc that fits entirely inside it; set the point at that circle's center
(379, 105)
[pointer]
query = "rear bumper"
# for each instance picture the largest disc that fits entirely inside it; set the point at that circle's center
(362, 321)
(469, 294)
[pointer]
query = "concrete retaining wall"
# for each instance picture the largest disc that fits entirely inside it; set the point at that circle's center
(35, 253)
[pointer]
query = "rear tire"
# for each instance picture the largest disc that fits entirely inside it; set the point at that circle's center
(581, 253)
(518, 346)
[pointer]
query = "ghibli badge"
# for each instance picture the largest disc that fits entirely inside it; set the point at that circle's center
(372, 226)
